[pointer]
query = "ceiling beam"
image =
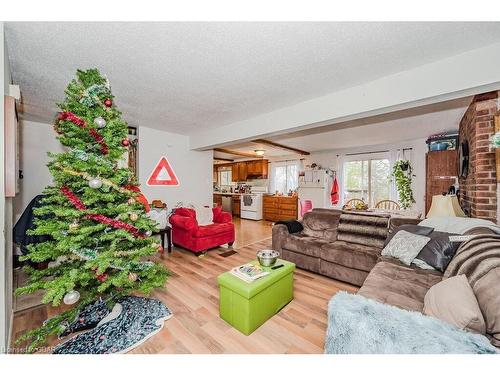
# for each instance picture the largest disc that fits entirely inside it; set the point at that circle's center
(465, 74)
(223, 159)
(280, 146)
(237, 153)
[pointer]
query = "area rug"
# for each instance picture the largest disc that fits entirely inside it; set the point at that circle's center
(132, 321)
(228, 253)
(358, 325)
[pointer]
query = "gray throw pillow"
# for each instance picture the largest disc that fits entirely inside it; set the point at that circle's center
(412, 228)
(439, 251)
(405, 246)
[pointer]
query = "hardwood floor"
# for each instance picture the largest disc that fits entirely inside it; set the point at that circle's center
(192, 295)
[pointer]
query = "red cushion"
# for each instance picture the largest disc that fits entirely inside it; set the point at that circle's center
(213, 229)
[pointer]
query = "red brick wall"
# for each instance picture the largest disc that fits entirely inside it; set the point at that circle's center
(479, 189)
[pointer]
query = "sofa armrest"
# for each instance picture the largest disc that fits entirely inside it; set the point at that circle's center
(223, 217)
(183, 222)
(280, 233)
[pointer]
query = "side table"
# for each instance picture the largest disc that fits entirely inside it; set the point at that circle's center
(168, 231)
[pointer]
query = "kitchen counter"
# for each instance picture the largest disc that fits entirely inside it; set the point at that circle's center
(221, 193)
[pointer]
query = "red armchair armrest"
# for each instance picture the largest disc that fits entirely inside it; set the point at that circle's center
(186, 223)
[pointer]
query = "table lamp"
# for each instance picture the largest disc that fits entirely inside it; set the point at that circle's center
(445, 205)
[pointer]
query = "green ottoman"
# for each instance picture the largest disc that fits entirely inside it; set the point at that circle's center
(246, 306)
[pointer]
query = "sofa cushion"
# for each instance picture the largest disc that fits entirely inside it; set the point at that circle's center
(439, 251)
(411, 228)
(302, 244)
(213, 229)
(405, 246)
(321, 223)
(398, 285)
(453, 301)
(351, 255)
(363, 228)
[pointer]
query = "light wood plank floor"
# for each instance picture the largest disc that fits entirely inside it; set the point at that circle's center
(192, 295)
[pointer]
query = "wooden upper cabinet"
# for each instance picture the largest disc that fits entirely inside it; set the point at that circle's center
(257, 168)
(244, 170)
(441, 170)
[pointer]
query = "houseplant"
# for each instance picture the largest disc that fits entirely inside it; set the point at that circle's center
(403, 173)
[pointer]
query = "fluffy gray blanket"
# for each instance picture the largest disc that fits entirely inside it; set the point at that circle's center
(358, 325)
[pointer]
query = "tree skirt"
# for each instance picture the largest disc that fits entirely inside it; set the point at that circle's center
(132, 321)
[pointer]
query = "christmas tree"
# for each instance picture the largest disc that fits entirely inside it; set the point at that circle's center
(101, 244)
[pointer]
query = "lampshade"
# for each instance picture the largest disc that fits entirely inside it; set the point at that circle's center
(445, 205)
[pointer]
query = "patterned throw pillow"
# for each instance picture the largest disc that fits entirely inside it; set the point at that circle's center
(405, 246)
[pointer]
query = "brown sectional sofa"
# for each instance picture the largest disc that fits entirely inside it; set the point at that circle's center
(331, 245)
(344, 246)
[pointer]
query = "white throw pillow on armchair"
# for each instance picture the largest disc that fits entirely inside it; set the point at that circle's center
(204, 215)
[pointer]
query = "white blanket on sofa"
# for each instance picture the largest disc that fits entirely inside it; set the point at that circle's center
(458, 225)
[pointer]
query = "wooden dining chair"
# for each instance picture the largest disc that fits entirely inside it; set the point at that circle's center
(351, 203)
(387, 204)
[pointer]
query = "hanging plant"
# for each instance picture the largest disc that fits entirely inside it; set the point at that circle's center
(403, 173)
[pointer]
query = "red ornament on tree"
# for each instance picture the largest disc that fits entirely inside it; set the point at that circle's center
(125, 142)
(108, 103)
(102, 277)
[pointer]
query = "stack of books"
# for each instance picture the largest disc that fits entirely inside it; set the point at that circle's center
(249, 272)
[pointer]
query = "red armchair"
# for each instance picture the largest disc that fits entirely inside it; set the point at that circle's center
(188, 234)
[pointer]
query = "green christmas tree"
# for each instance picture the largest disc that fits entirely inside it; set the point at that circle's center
(101, 244)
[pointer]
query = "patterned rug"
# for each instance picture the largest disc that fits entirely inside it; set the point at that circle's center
(132, 321)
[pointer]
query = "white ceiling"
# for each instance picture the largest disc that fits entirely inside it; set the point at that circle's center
(416, 123)
(183, 77)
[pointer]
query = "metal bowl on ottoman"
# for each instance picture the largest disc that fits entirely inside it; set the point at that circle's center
(267, 258)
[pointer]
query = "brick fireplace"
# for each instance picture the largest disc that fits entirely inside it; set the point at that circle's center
(479, 189)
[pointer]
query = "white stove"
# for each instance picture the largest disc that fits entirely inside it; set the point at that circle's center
(251, 203)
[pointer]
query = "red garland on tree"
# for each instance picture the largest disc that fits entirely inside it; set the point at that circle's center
(70, 116)
(117, 224)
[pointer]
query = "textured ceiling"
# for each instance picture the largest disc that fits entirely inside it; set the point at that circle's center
(183, 77)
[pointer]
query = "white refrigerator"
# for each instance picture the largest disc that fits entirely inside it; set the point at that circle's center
(315, 185)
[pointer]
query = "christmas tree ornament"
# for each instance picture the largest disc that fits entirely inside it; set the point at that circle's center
(133, 216)
(132, 276)
(95, 183)
(131, 201)
(148, 233)
(71, 297)
(74, 225)
(160, 249)
(100, 122)
(125, 142)
(102, 277)
(52, 264)
(108, 103)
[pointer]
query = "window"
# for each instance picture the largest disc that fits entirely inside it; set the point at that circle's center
(369, 180)
(285, 176)
(225, 177)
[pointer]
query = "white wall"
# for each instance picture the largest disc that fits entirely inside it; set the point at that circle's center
(36, 139)
(329, 159)
(192, 168)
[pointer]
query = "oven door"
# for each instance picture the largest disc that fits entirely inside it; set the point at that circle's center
(248, 202)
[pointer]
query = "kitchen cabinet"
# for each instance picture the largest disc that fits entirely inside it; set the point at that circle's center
(239, 171)
(236, 205)
(276, 208)
(257, 168)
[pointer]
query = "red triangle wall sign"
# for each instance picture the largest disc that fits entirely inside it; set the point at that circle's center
(163, 175)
